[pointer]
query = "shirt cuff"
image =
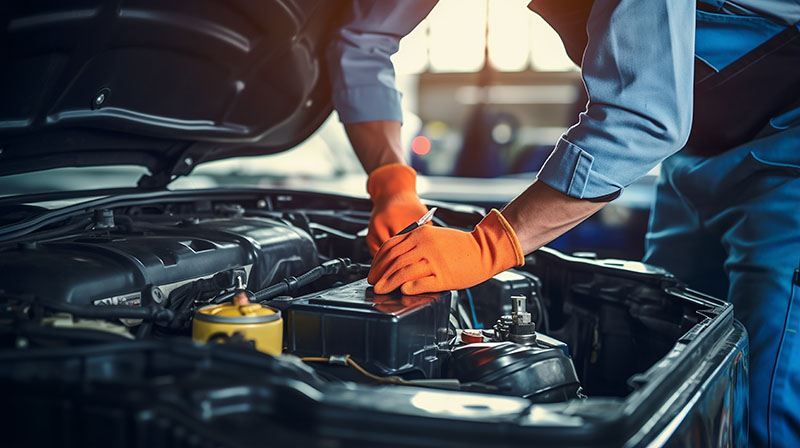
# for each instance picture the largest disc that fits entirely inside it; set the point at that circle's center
(569, 170)
(371, 103)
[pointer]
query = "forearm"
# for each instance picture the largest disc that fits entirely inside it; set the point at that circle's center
(639, 112)
(376, 143)
(541, 214)
(640, 97)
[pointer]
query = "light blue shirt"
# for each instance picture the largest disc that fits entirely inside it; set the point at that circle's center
(638, 70)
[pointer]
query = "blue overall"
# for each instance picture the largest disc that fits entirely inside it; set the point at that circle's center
(729, 225)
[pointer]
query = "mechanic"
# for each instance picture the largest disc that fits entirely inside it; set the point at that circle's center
(726, 218)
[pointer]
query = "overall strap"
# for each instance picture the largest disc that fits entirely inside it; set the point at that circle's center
(733, 102)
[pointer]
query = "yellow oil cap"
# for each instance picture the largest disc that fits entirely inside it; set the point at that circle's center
(255, 323)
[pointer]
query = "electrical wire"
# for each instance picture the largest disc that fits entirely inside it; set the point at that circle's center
(315, 359)
(63, 232)
(361, 370)
(149, 312)
(289, 285)
(475, 323)
(448, 383)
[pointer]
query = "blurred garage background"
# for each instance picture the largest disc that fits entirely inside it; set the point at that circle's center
(485, 99)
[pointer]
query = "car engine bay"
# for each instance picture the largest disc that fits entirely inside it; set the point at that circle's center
(147, 275)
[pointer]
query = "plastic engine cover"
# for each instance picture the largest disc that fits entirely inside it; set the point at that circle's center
(386, 334)
(116, 267)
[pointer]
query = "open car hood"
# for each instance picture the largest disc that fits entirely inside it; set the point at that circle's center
(165, 85)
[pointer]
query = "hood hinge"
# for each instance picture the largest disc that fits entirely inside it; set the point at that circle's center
(187, 158)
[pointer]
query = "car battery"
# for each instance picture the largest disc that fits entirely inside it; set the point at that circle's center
(386, 334)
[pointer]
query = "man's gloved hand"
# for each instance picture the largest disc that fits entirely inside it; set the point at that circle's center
(430, 259)
(395, 204)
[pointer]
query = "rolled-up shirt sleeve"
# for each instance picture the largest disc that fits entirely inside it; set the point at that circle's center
(638, 71)
(361, 71)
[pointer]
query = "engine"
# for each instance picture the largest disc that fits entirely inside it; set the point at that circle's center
(288, 283)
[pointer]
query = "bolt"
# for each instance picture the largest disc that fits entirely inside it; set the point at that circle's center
(309, 103)
(158, 295)
(261, 203)
(100, 98)
(188, 161)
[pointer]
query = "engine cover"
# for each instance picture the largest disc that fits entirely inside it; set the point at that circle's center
(387, 334)
(114, 268)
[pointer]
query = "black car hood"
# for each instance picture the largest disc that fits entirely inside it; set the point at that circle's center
(165, 85)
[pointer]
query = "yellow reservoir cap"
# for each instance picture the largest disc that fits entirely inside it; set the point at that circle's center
(253, 322)
(231, 310)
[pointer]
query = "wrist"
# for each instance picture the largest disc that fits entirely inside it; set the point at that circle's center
(390, 180)
(376, 143)
(541, 213)
(496, 232)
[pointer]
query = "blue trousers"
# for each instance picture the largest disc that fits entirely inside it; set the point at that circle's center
(729, 226)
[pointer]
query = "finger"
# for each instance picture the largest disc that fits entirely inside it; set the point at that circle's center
(386, 262)
(386, 270)
(407, 273)
(390, 243)
(421, 286)
(373, 243)
(389, 251)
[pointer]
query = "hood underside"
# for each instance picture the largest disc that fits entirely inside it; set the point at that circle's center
(165, 85)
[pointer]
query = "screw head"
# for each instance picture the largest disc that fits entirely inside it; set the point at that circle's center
(100, 98)
(157, 294)
(188, 161)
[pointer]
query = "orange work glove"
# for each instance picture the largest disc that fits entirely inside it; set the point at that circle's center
(395, 204)
(430, 259)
